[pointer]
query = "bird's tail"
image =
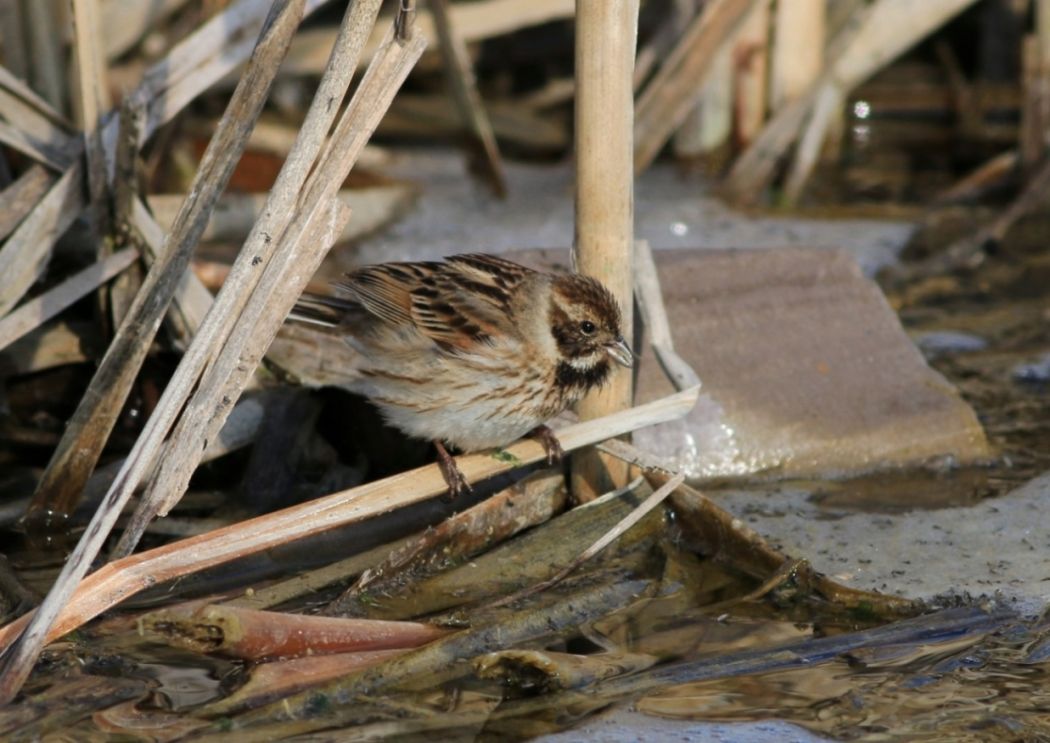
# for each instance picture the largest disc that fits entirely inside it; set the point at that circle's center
(319, 309)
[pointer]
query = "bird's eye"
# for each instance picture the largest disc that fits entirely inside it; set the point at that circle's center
(587, 327)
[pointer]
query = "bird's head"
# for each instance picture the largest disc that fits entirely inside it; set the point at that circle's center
(586, 325)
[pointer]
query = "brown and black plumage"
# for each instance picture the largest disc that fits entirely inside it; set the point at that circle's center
(474, 351)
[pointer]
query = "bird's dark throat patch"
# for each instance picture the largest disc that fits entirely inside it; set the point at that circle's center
(567, 376)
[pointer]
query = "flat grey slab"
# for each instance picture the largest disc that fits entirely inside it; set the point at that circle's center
(624, 726)
(996, 547)
(806, 369)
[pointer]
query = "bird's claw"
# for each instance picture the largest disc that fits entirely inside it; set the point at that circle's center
(550, 443)
(457, 483)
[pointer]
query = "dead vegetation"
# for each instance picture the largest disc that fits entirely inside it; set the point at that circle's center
(355, 598)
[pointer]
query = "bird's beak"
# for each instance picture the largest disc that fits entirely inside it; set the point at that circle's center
(620, 352)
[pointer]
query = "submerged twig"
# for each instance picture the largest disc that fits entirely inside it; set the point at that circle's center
(564, 614)
(725, 538)
(970, 251)
(532, 501)
(271, 681)
(940, 627)
(655, 499)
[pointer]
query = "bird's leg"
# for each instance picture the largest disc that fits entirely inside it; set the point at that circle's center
(550, 443)
(457, 483)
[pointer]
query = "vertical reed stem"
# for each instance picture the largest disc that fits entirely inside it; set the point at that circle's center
(606, 34)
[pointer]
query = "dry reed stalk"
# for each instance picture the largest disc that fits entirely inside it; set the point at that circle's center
(460, 73)
(272, 681)
(262, 295)
(531, 501)
(606, 37)
(428, 116)
(250, 634)
(125, 190)
(963, 95)
(20, 197)
(37, 311)
(637, 514)
(978, 181)
(654, 317)
(31, 113)
(474, 21)
(192, 300)
(128, 21)
(708, 127)
(534, 500)
(890, 28)
(1035, 81)
(193, 66)
(45, 27)
(798, 49)
(123, 578)
(875, 35)
(25, 255)
(78, 452)
(751, 68)
(235, 215)
(755, 168)
(92, 95)
(89, 428)
(677, 86)
(970, 251)
(55, 157)
(12, 37)
(90, 101)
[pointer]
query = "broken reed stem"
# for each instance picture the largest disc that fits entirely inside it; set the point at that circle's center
(798, 49)
(636, 515)
(123, 578)
(39, 310)
(19, 198)
(194, 65)
(724, 538)
(90, 427)
(650, 300)
(875, 36)
(125, 190)
(890, 28)
(92, 97)
(464, 86)
(677, 87)
(283, 279)
(606, 37)
(27, 252)
(255, 255)
(78, 452)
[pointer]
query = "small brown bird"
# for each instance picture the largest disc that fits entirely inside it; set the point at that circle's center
(473, 351)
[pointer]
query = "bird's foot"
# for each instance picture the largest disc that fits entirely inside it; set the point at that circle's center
(457, 483)
(550, 443)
